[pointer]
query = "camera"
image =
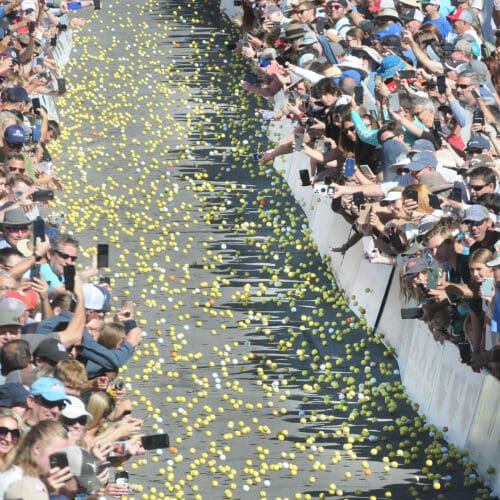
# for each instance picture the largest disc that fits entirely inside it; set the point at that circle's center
(323, 190)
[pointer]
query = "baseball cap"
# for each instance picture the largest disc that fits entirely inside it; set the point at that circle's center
(392, 29)
(18, 94)
(411, 14)
(464, 46)
(465, 15)
(390, 65)
(478, 142)
(52, 350)
(14, 134)
(93, 297)
(421, 160)
(82, 466)
(367, 51)
(74, 408)
(393, 196)
(421, 145)
(13, 394)
(49, 388)
(476, 213)
(29, 297)
(415, 266)
(8, 318)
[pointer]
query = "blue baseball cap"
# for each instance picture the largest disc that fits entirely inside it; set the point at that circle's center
(390, 65)
(392, 29)
(14, 134)
(49, 388)
(351, 73)
(12, 394)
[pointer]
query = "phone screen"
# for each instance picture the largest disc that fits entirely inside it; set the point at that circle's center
(69, 277)
(102, 255)
(155, 441)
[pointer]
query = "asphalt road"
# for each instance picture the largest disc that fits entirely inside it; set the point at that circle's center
(267, 384)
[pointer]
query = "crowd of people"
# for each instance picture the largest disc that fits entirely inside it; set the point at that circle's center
(63, 406)
(396, 105)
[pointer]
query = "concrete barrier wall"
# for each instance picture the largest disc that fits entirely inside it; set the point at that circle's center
(448, 393)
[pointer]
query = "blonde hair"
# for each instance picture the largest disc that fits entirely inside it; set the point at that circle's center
(100, 405)
(111, 335)
(480, 256)
(72, 374)
(42, 433)
(8, 413)
(423, 197)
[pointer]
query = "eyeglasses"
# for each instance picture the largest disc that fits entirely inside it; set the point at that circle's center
(352, 128)
(477, 187)
(262, 6)
(66, 256)
(14, 434)
(68, 422)
(50, 404)
(474, 151)
(18, 229)
(336, 7)
(463, 86)
(16, 169)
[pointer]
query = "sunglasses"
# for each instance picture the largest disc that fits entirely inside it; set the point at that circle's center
(18, 229)
(68, 422)
(66, 256)
(352, 128)
(14, 434)
(50, 404)
(472, 223)
(336, 7)
(474, 151)
(462, 86)
(477, 187)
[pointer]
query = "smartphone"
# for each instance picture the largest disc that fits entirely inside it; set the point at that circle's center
(475, 93)
(299, 139)
(102, 255)
(59, 459)
(119, 449)
(320, 145)
(34, 271)
(437, 126)
(121, 478)
(43, 195)
(465, 352)
(69, 277)
(393, 101)
(35, 105)
(488, 287)
(478, 117)
(31, 27)
(434, 201)
(327, 180)
(433, 274)
(412, 194)
(366, 170)
(395, 241)
(38, 229)
(441, 84)
(258, 156)
(320, 25)
(358, 94)
(155, 441)
(74, 5)
(53, 41)
(36, 131)
(304, 177)
(358, 198)
(61, 85)
(407, 74)
(411, 312)
(349, 165)
(456, 194)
